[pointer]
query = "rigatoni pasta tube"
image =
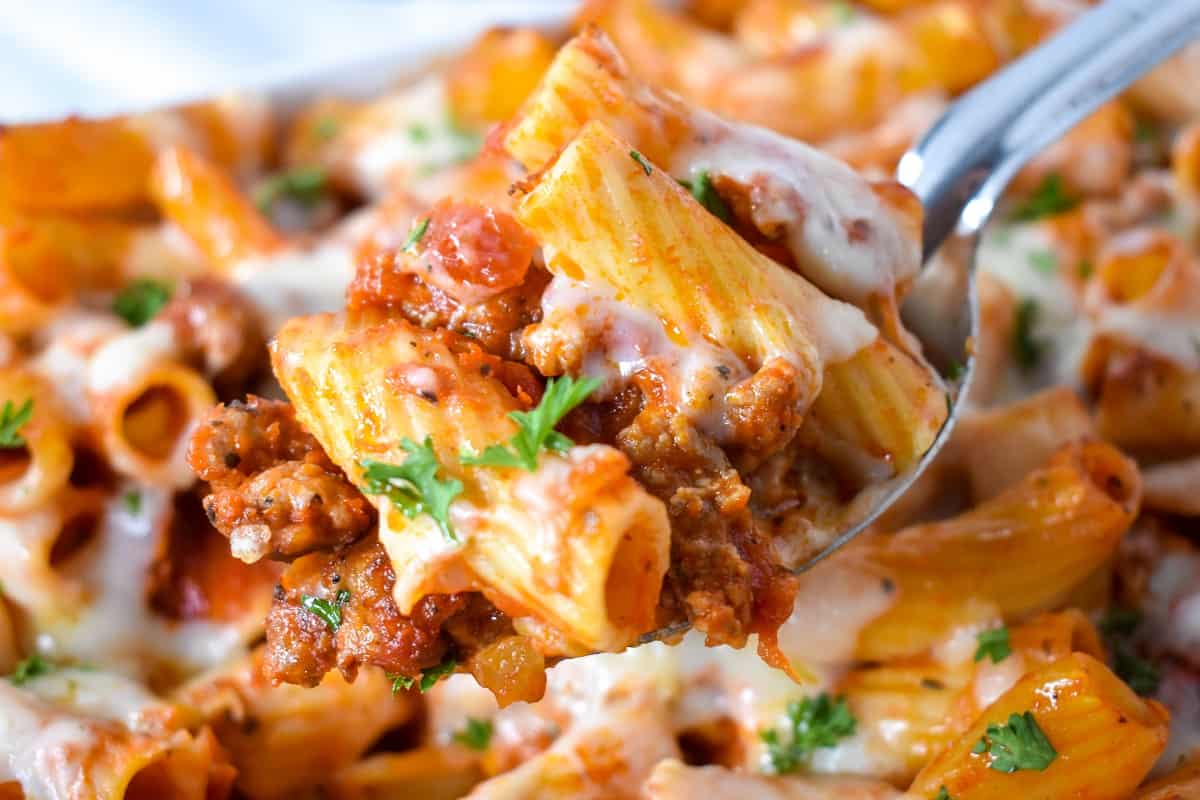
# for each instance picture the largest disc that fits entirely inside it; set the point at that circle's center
(616, 226)
(1105, 738)
(487, 83)
(203, 201)
(576, 548)
(108, 739)
(145, 404)
(101, 166)
(335, 723)
(1021, 552)
(915, 708)
(673, 780)
(73, 166)
(882, 403)
(430, 773)
(998, 446)
(37, 555)
(35, 469)
(855, 239)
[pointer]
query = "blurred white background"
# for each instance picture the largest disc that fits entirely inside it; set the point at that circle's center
(97, 57)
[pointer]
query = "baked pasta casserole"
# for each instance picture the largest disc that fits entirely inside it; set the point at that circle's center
(465, 440)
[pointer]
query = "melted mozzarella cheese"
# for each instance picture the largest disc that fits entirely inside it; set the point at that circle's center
(408, 134)
(114, 624)
(833, 604)
(296, 282)
(53, 726)
(843, 236)
(1015, 256)
(631, 341)
(123, 357)
(67, 346)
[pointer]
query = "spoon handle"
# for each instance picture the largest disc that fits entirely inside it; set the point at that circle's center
(961, 166)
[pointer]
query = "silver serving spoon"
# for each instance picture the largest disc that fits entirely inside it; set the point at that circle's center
(962, 165)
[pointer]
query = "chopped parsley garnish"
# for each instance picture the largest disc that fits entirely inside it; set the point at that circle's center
(427, 680)
(1044, 262)
(304, 185)
(956, 371)
(843, 12)
(1119, 621)
(331, 612)
(418, 133)
(132, 502)
(12, 419)
(1141, 675)
(414, 487)
(993, 644)
(1018, 745)
(943, 794)
(141, 300)
(33, 667)
(1086, 268)
(1048, 199)
(1145, 132)
(326, 128)
(415, 235)
(535, 429)
(706, 195)
(467, 142)
(1119, 626)
(641, 160)
(1026, 349)
(815, 723)
(476, 735)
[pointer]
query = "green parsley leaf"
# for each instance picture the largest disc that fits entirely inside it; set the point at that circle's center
(815, 723)
(1141, 675)
(1118, 625)
(132, 502)
(706, 195)
(1086, 268)
(427, 680)
(956, 371)
(943, 794)
(141, 300)
(326, 128)
(1145, 132)
(641, 160)
(535, 429)
(843, 12)
(1027, 350)
(467, 142)
(11, 421)
(434, 674)
(414, 487)
(418, 133)
(415, 235)
(1044, 262)
(476, 735)
(304, 185)
(33, 667)
(1018, 745)
(1048, 199)
(993, 643)
(1120, 621)
(331, 612)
